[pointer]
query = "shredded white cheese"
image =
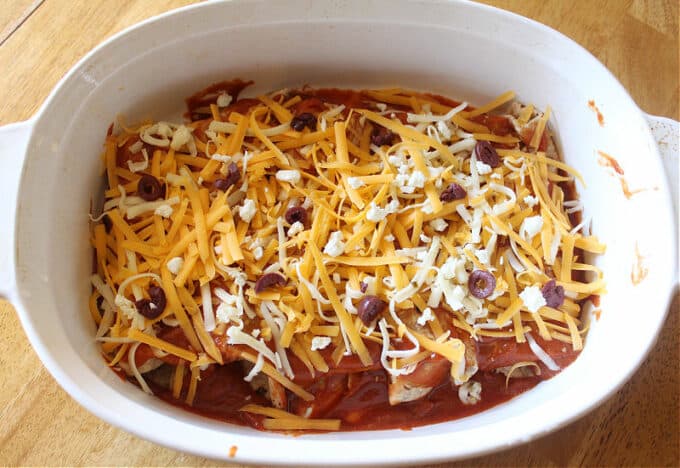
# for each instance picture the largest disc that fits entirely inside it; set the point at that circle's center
(541, 354)
(208, 315)
(470, 393)
(137, 166)
(288, 175)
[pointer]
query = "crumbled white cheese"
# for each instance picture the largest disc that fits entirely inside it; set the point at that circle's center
(175, 264)
(531, 201)
(389, 238)
(288, 175)
(530, 227)
(238, 276)
(247, 210)
(382, 107)
(439, 224)
(401, 181)
(448, 269)
(223, 100)
(483, 168)
(377, 214)
(425, 317)
(335, 245)
(182, 136)
(127, 307)
(320, 342)
(425, 239)
(355, 182)
(163, 210)
(295, 228)
(453, 294)
(397, 160)
(470, 393)
(416, 180)
(482, 255)
(532, 298)
(258, 252)
(336, 278)
(226, 312)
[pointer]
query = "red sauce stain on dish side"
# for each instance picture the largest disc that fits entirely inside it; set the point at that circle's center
(232, 451)
(639, 271)
(594, 108)
(627, 191)
(609, 162)
(606, 160)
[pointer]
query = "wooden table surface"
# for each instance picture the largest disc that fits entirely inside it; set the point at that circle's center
(41, 425)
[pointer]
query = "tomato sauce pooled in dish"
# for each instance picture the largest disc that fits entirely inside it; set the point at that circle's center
(326, 259)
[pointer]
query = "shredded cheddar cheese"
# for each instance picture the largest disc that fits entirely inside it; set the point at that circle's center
(255, 233)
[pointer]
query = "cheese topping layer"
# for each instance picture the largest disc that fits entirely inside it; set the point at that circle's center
(270, 227)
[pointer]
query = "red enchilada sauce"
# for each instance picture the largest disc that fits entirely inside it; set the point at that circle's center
(355, 393)
(360, 399)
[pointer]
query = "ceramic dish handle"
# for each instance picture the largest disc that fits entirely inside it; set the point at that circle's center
(667, 134)
(13, 143)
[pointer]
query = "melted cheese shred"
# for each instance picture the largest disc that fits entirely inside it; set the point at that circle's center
(280, 420)
(375, 222)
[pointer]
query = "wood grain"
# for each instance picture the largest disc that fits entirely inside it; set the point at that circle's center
(14, 15)
(41, 425)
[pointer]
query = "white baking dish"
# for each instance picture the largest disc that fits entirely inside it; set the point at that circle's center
(50, 170)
